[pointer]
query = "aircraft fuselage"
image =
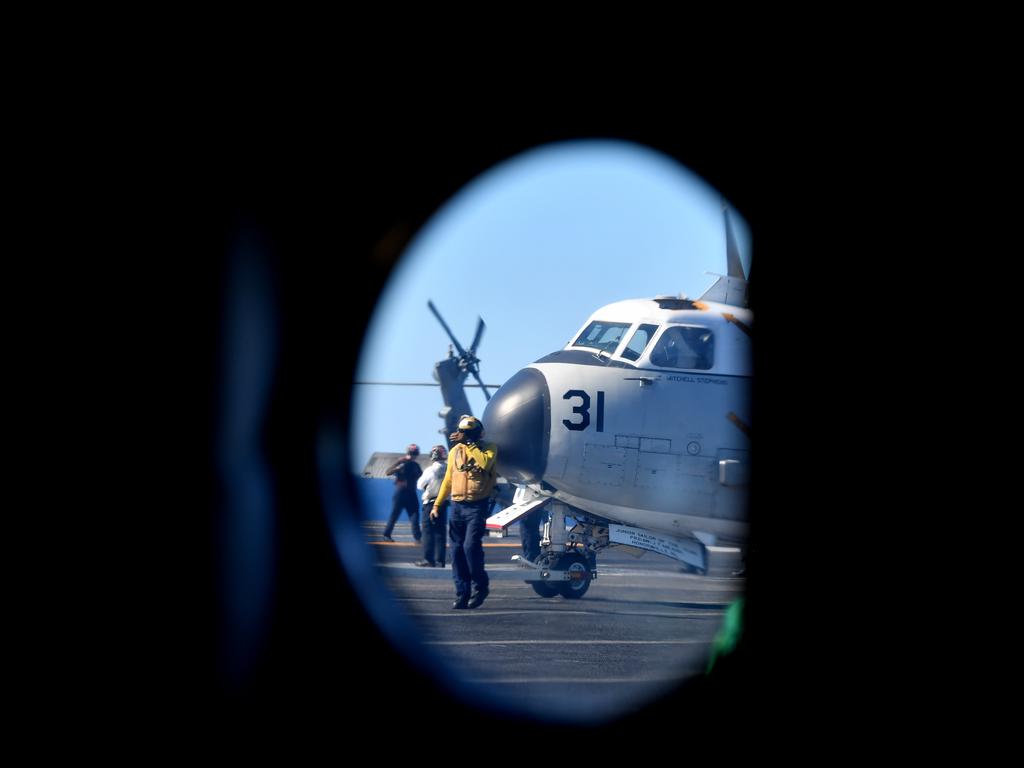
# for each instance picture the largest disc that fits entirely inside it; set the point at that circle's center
(615, 426)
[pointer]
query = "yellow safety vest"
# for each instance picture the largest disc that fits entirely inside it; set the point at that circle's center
(475, 482)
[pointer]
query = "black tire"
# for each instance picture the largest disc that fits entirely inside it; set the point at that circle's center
(543, 589)
(574, 563)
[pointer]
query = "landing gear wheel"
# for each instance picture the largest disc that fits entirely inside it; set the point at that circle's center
(577, 566)
(543, 588)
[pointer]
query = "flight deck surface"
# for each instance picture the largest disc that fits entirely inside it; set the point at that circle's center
(644, 626)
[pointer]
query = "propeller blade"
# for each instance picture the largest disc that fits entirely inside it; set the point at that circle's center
(487, 395)
(462, 352)
(480, 326)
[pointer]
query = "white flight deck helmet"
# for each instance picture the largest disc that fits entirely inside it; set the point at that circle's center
(471, 426)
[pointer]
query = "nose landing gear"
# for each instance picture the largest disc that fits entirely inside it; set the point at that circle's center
(579, 578)
(567, 574)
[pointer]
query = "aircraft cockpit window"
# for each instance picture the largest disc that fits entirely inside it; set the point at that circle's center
(602, 335)
(688, 347)
(641, 338)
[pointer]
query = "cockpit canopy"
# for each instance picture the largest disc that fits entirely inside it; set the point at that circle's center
(688, 347)
(602, 336)
(684, 346)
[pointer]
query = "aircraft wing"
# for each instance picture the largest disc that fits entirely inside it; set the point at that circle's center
(380, 461)
(500, 522)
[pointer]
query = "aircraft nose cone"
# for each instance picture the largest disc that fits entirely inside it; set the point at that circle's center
(518, 420)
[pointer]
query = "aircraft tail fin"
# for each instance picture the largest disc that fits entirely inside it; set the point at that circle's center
(732, 253)
(727, 290)
(730, 288)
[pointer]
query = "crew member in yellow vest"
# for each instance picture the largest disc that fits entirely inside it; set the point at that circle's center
(470, 478)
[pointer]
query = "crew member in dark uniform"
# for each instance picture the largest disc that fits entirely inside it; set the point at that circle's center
(470, 479)
(406, 472)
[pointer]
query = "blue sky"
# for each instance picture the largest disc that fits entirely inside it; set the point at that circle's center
(534, 246)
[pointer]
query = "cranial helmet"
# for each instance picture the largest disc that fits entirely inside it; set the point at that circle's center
(471, 424)
(438, 453)
(413, 449)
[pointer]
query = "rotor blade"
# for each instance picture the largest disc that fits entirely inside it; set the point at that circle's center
(462, 352)
(480, 325)
(487, 395)
(732, 253)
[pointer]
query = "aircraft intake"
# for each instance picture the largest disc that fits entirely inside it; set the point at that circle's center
(518, 420)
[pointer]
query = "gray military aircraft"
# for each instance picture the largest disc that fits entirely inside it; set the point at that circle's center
(636, 434)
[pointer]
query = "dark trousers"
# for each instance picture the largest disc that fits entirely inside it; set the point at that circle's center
(407, 500)
(435, 534)
(467, 524)
(529, 533)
